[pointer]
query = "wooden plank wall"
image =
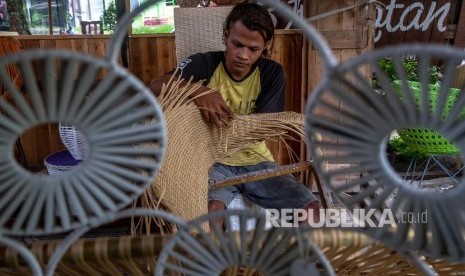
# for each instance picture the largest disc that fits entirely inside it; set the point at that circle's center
(151, 56)
(287, 50)
(348, 34)
(408, 21)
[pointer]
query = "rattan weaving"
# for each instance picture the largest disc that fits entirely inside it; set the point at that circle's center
(193, 147)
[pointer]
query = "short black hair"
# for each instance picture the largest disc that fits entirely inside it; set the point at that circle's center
(255, 18)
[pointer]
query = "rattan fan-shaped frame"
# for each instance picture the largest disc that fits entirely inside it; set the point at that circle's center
(276, 251)
(118, 115)
(354, 130)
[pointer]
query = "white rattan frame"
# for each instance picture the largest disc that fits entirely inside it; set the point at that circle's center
(278, 251)
(353, 130)
(126, 138)
(361, 137)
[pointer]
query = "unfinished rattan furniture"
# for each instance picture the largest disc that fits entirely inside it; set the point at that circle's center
(199, 30)
(346, 252)
(186, 193)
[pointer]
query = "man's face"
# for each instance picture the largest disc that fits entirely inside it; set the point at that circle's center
(243, 48)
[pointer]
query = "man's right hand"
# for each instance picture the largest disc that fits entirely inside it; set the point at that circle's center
(212, 106)
(214, 110)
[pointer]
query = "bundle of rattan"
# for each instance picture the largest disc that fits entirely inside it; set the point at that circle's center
(181, 185)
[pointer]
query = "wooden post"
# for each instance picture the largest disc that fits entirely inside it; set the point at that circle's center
(459, 40)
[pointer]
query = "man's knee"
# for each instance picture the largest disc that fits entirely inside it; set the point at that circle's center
(216, 205)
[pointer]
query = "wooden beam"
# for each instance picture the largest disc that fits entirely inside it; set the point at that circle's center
(459, 40)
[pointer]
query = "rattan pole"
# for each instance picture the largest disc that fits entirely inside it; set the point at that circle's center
(319, 188)
(263, 174)
(85, 249)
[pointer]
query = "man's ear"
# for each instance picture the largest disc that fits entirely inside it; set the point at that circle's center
(225, 35)
(268, 45)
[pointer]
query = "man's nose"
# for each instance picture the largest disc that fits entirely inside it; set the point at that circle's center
(243, 53)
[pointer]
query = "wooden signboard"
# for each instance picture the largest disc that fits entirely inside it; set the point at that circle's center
(408, 21)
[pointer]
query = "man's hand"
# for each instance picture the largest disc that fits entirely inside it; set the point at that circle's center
(214, 109)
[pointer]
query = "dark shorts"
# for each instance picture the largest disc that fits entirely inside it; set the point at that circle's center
(279, 192)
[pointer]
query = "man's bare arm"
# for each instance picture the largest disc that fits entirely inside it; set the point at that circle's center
(212, 106)
(156, 84)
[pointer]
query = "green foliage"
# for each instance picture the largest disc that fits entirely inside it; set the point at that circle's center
(401, 147)
(68, 18)
(161, 29)
(402, 151)
(108, 18)
(411, 69)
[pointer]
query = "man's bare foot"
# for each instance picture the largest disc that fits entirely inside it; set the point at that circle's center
(314, 209)
(215, 206)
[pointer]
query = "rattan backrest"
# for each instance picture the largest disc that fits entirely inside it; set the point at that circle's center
(10, 45)
(199, 30)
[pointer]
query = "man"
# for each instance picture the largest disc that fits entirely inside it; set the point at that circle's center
(246, 82)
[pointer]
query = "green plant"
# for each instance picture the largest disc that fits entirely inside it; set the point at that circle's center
(68, 18)
(108, 18)
(401, 147)
(411, 70)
